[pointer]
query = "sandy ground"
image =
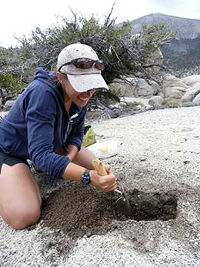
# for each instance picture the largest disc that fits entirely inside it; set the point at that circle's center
(159, 155)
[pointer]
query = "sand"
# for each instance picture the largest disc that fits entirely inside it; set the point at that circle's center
(158, 162)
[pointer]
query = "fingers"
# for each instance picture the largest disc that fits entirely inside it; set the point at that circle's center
(108, 183)
(108, 168)
(110, 188)
(104, 183)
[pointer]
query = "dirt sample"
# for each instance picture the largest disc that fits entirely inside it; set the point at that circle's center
(78, 210)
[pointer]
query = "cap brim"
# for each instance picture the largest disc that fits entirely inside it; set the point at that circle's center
(83, 83)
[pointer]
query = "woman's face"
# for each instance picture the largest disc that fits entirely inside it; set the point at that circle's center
(80, 99)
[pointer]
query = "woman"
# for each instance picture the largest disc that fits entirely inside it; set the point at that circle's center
(46, 125)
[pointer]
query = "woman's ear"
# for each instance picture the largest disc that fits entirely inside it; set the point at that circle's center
(61, 77)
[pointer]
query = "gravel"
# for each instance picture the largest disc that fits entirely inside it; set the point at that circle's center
(159, 153)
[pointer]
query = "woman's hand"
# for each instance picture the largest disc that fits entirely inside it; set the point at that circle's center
(108, 168)
(104, 183)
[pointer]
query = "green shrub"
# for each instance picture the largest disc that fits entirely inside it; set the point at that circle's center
(10, 83)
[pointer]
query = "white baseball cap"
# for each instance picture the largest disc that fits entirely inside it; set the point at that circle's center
(81, 79)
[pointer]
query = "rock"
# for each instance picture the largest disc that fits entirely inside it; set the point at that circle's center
(186, 162)
(143, 101)
(196, 100)
(161, 94)
(173, 87)
(172, 103)
(191, 93)
(173, 92)
(121, 87)
(191, 80)
(135, 87)
(155, 58)
(156, 101)
(172, 81)
(188, 104)
(8, 105)
(144, 89)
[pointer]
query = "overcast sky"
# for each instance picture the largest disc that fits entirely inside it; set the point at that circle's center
(19, 17)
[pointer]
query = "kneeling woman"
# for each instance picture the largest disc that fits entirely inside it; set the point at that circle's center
(46, 125)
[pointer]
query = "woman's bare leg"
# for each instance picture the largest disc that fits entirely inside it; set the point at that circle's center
(84, 158)
(20, 198)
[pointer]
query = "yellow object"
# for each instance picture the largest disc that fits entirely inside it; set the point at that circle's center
(105, 148)
(89, 135)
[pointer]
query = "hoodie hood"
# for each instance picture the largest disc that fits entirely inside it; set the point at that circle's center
(49, 78)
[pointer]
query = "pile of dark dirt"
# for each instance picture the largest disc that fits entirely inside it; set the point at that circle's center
(77, 210)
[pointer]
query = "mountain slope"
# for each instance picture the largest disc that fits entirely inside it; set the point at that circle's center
(183, 27)
(182, 55)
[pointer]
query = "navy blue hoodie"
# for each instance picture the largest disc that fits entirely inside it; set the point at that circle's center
(37, 127)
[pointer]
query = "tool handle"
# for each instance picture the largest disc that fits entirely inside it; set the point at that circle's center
(99, 167)
(101, 170)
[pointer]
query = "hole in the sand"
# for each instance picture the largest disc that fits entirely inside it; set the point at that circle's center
(77, 210)
(148, 206)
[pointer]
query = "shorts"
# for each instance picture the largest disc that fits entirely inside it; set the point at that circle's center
(10, 160)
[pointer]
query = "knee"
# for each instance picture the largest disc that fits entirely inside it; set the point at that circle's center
(20, 219)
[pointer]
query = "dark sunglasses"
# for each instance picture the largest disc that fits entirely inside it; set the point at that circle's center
(85, 63)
